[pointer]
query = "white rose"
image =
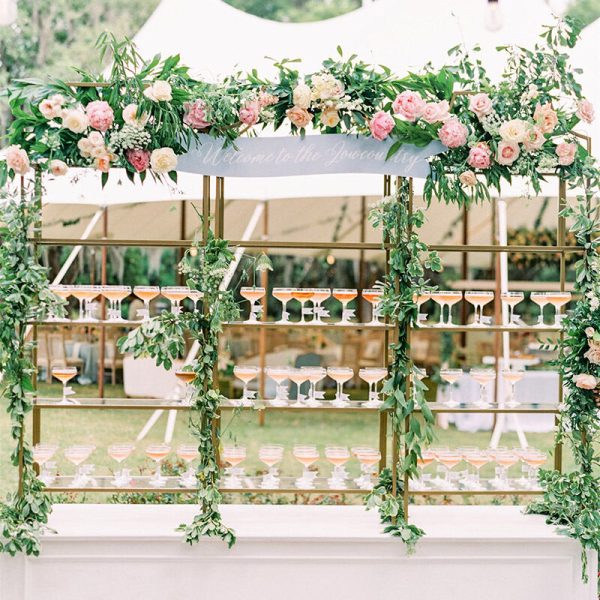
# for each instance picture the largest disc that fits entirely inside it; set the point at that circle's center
(75, 120)
(301, 95)
(58, 167)
(163, 160)
(130, 116)
(514, 131)
(97, 151)
(95, 138)
(85, 147)
(159, 91)
(330, 117)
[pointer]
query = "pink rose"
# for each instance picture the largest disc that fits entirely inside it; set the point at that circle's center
(249, 113)
(381, 125)
(534, 139)
(299, 117)
(585, 111)
(436, 111)
(100, 115)
(585, 381)
(196, 114)
(138, 159)
(566, 153)
(480, 104)
(409, 104)
(593, 353)
(17, 160)
(507, 153)
(453, 133)
(58, 168)
(468, 178)
(480, 156)
(589, 331)
(545, 117)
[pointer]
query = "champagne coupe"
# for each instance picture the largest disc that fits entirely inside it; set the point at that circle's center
(64, 375)
(303, 296)
(477, 459)
(284, 295)
(534, 460)
(270, 455)
(246, 374)
(175, 294)
(77, 455)
(483, 377)
(86, 294)
(505, 459)
(146, 293)
(478, 300)
(157, 453)
(319, 296)
(541, 299)
(558, 300)
(196, 297)
(233, 455)
(314, 375)
(121, 452)
(345, 296)
(279, 375)
(186, 377)
(511, 299)
(451, 376)
(340, 375)
(368, 459)
(42, 453)
(423, 461)
(306, 456)
(115, 294)
(298, 376)
(420, 299)
(446, 298)
(512, 377)
(438, 481)
(372, 376)
(188, 453)
(374, 296)
(253, 295)
(338, 456)
(449, 459)
(63, 292)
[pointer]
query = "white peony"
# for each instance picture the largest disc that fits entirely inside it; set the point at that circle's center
(326, 87)
(163, 160)
(130, 116)
(75, 120)
(514, 131)
(159, 91)
(301, 95)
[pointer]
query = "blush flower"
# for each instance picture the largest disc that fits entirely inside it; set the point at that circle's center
(514, 130)
(75, 120)
(196, 114)
(453, 133)
(100, 115)
(130, 116)
(566, 153)
(17, 160)
(58, 168)
(138, 159)
(480, 104)
(534, 139)
(299, 117)
(163, 160)
(381, 125)
(507, 153)
(330, 117)
(409, 104)
(480, 156)
(159, 91)
(249, 113)
(468, 178)
(51, 108)
(301, 95)
(585, 381)
(545, 117)
(585, 111)
(436, 112)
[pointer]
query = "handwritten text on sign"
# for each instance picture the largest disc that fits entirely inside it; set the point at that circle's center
(312, 155)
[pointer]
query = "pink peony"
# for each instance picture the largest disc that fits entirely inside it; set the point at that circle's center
(381, 125)
(534, 139)
(480, 104)
(17, 160)
(585, 381)
(100, 115)
(409, 104)
(453, 133)
(138, 159)
(196, 114)
(299, 117)
(507, 153)
(585, 111)
(249, 113)
(566, 153)
(468, 178)
(480, 156)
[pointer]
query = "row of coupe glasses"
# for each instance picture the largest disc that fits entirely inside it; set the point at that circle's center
(307, 456)
(311, 375)
(115, 294)
(479, 299)
(78, 454)
(469, 479)
(315, 297)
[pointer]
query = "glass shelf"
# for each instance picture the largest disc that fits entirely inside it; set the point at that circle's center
(491, 328)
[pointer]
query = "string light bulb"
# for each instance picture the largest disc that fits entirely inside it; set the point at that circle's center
(493, 16)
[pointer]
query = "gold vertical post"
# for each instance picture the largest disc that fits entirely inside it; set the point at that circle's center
(102, 349)
(262, 334)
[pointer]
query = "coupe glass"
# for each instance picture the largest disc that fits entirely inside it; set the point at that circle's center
(42, 453)
(86, 294)
(338, 456)
(146, 293)
(271, 455)
(374, 296)
(314, 375)
(345, 296)
(233, 456)
(368, 459)
(157, 453)
(372, 376)
(419, 300)
(115, 294)
(449, 459)
(446, 298)
(541, 299)
(438, 481)
(279, 375)
(478, 300)
(340, 375)
(512, 377)
(483, 377)
(188, 453)
(319, 296)
(246, 374)
(477, 459)
(63, 292)
(77, 455)
(534, 460)
(303, 296)
(187, 377)
(505, 459)
(451, 376)
(253, 295)
(196, 297)
(298, 376)
(175, 294)
(423, 461)
(306, 456)
(511, 299)
(64, 375)
(284, 295)
(120, 453)
(558, 300)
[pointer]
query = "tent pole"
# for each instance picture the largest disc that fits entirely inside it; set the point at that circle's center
(464, 271)
(102, 349)
(262, 334)
(182, 236)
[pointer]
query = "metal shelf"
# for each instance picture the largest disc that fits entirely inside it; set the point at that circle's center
(490, 328)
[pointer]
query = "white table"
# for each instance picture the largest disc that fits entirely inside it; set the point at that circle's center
(127, 552)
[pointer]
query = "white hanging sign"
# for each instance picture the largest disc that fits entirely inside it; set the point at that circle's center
(311, 155)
